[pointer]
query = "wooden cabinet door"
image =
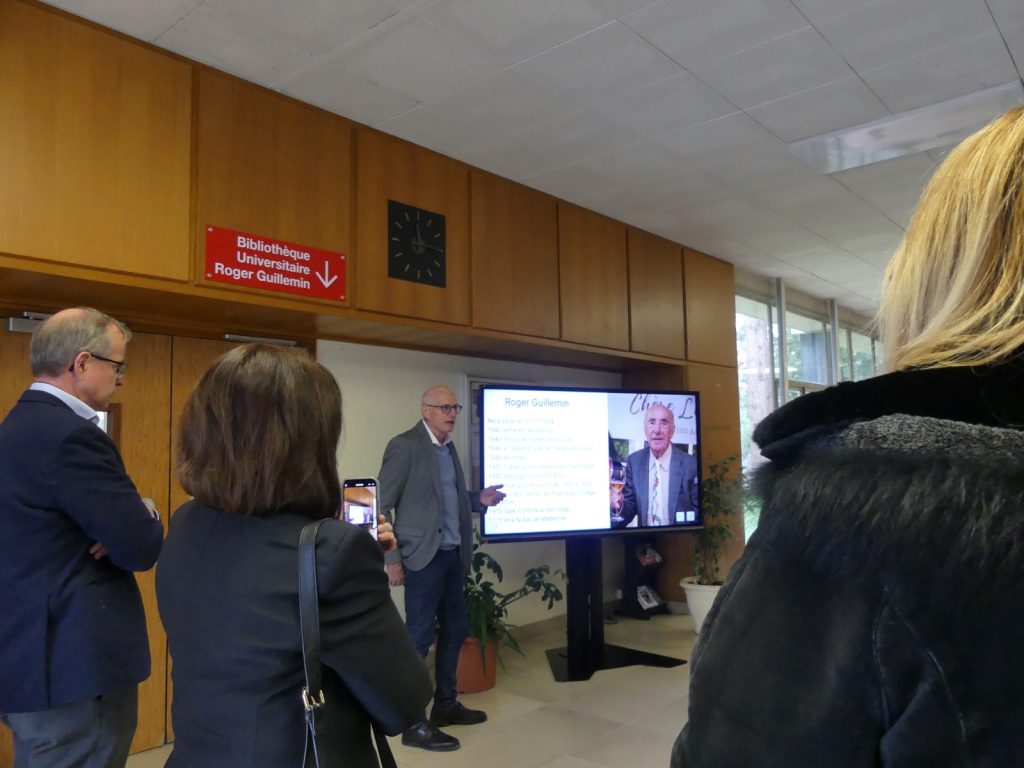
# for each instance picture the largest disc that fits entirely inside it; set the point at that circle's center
(593, 280)
(95, 146)
(710, 309)
(656, 304)
(514, 236)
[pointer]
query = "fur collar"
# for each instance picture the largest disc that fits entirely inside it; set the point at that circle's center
(989, 395)
(932, 504)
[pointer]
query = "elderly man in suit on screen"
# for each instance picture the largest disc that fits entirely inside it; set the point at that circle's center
(421, 480)
(661, 481)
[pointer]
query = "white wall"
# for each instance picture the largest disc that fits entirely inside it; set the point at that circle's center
(381, 389)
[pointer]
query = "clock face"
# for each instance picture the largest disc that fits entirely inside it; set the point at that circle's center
(416, 244)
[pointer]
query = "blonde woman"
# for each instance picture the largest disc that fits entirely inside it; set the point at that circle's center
(877, 615)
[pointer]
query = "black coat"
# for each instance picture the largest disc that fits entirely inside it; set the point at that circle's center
(227, 588)
(876, 617)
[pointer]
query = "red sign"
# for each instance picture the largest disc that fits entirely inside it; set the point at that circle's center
(239, 258)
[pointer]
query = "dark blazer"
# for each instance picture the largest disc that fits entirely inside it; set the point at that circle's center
(71, 627)
(227, 588)
(682, 491)
(410, 484)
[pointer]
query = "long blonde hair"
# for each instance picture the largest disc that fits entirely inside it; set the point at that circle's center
(953, 293)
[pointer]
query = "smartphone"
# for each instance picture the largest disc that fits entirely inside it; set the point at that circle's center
(359, 503)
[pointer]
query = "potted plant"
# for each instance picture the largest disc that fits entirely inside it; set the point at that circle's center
(721, 496)
(487, 608)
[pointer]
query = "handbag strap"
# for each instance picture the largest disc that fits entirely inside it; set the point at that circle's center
(309, 628)
(309, 616)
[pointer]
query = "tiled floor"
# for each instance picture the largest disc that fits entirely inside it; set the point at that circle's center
(620, 717)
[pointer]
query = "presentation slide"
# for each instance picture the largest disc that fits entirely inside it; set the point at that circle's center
(563, 456)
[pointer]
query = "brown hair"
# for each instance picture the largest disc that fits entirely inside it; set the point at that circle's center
(259, 435)
(953, 293)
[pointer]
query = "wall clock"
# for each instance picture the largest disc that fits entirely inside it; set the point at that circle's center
(416, 244)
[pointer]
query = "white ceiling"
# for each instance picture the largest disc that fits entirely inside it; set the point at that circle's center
(671, 115)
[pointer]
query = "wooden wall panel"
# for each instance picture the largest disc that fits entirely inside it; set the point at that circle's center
(270, 166)
(95, 146)
(656, 299)
(710, 309)
(191, 358)
(593, 278)
(144, 416)
(719, 430)
(391, 169)
(514, 236)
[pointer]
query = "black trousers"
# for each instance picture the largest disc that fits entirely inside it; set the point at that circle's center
(95, 733)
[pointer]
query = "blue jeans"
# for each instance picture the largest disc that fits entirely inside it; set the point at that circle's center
(434, 600)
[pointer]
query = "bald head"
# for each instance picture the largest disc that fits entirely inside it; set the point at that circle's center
(433, 404)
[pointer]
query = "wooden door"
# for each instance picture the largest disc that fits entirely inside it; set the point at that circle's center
(190, 358)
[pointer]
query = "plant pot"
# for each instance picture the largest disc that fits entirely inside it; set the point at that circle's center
(472, 676)
(699, 598)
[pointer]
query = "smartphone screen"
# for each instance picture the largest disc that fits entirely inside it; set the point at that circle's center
(359, 503)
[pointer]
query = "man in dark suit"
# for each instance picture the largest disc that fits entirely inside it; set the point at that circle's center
(421, 480)
(661, 481)
(73, 644)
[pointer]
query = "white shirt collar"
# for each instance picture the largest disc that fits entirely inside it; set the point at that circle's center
(84, 410)
(665, 461)
(433, 437)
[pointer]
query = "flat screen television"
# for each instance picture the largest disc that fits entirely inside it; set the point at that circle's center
(589, 461)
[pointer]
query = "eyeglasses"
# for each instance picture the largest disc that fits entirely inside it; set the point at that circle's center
(120, 366)
(447, 410)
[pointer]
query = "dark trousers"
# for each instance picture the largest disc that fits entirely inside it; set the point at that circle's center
(434, 600)
(95, 733)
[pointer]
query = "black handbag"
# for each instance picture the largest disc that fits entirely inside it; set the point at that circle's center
(314, 700)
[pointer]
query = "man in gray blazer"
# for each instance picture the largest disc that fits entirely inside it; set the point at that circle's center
(421, 479)
(661, 481)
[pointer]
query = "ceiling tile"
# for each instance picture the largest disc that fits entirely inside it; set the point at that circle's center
(609, 59)
(146, 21)
(827, 108)
(505, 103)
(349, 93)
(1009, 16)
(891, 186)
(218, 40)
(664, 106)
(415, 59)
(619, 8)
(694, 32)
(511, 32)
(314, 26)
(886, 31)
(432, 128)
(816, 10)
(943, 73)
(772, 70)
(562, 140)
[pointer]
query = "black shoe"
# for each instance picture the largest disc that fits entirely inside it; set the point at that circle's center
(425, 736)
(456, 714)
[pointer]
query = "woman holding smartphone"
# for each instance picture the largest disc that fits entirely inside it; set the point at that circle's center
(257, 448)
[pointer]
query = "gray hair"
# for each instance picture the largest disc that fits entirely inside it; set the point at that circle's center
(62, 336)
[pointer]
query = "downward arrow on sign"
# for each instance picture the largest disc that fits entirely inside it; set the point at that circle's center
(326, 278)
